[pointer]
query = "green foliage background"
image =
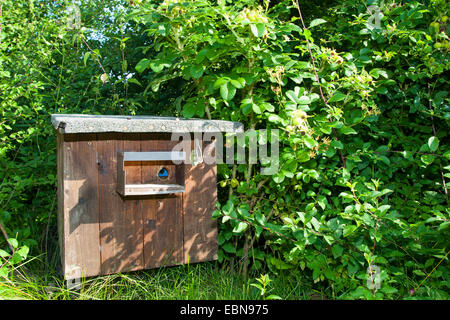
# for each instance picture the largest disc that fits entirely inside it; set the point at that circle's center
(364, 171)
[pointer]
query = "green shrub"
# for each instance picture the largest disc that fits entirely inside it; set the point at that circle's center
(362, 171)
(364, 156)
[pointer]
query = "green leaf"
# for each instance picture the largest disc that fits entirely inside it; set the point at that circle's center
(337, 96)
(196, 71)
(447, 155)
(227, 91)
(267, 106)
(303, 100)
(86, 57)
(292, 96)
(13, 242)
(433, 143)
(241, 227)
(23, 252)
(427, 159)
(135, 81)
(3, 253)
(189, 110)
(275, 118)
(303, 156)
(419, 272)
(239, 83)
(258, 29)
(348, 230)
(216, 213)
(4, 272)
(347, 130)
(310, 142)
(256, 108)
(377, 72)
(385, 160)
(280, 264)
(336, 144)
(228, 247)
(382, 209)
(316, 22)
(228, 208)
(337, 251)
(219, 82)
(322, 201)
(142, 65)
(307, 34)
(158, 65)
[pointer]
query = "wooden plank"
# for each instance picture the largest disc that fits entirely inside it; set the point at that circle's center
(110, 203)
(163, 231)
(60, 194)
(200, 197)
(81, 232)
(120, 173)
(120, 219)
(129, 226)
(163, 220)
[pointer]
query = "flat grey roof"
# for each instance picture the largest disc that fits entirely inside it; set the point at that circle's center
(83, 123)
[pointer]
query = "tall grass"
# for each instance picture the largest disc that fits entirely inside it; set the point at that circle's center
(40, 278)
(206, 281)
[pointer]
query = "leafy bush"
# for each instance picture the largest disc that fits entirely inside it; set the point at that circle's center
(364, 158)
(363, 169)
(48, 67)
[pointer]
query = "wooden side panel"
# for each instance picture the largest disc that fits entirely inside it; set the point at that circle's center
(163, 219)
(60, 194)
(200, 231)
(129, 226)
(120, 218)
(120, 173)
(81, 232)
(110, 203)
(102, 232)
(163, 231)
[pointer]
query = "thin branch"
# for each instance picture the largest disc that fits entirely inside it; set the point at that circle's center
(431, 272)
(98, 60)
(5, 235)
(318, 80)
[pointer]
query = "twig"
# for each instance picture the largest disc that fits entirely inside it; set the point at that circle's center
(6, 237)
(310, 53)
(98, 60)
(318, 80)
(431, 272)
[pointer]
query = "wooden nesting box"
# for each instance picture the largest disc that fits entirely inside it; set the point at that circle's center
(124, 203)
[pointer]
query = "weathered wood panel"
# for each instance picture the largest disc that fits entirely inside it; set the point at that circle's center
(110, 204)
(163, 220)
(128, 226)
(81, 231)
(200, 231)
(60, 194)
(102, 232)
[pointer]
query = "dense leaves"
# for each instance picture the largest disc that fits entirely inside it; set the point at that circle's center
(364, 157)
(361, 179)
